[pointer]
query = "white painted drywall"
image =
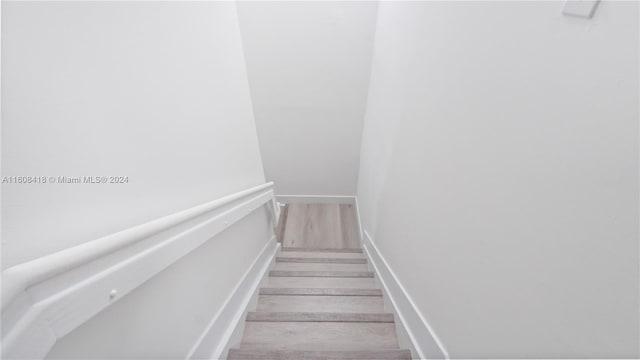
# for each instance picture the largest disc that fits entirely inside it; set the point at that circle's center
(499, 174)
(164, 317)
(309, 64)
(156, 91)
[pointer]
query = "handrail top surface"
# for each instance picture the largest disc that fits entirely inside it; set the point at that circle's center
(18, 277)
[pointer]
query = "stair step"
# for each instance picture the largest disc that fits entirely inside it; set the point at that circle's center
(321, 292)
(325, 260)
(320, 254)
(307, 303)
(320, 317)
(318, 336)
(321, 282)
(347, 274)
(320, 267)
(381, 354)
(322, 250)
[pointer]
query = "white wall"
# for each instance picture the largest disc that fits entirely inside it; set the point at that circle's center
(499, 174)
(309, 65)
(156, 91)
(163, 318)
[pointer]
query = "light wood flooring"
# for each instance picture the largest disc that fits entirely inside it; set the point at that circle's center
(330, 226)
(321, 301)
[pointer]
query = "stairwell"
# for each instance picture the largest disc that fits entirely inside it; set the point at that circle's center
(319, 303)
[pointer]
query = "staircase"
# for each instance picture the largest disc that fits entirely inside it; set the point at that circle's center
(319, 304)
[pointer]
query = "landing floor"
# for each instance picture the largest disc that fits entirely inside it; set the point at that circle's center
(331, 226)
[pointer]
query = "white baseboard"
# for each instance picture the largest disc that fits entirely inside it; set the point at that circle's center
(424, 340)
(359, 219)
(316, 199)
(225, 328)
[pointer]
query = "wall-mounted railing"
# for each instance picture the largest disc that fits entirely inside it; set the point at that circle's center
(46, 298)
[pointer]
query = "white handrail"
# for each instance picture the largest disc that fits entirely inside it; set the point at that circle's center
(19, 277)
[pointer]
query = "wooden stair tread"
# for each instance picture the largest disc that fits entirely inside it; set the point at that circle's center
(381, 354)
(348, 274)
(321, 260)
(351, 324)
(320, 254)
(288, 248)
(323, 303)
(321, 291)
(320, 317)
(299, 266)
(321, 282)
(319, 335)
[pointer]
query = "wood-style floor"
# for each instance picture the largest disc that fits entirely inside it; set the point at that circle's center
(321, 301)
(319, 226)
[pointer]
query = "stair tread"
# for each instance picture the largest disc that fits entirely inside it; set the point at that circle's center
(320, 317)
(319, 299)
(295, 273)
(319, 335)
(289, 248)
(321, 282)
(321, 260)
(293, 266)
(381, 354)
(321, 254)
(321, 291)
(322, 303)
